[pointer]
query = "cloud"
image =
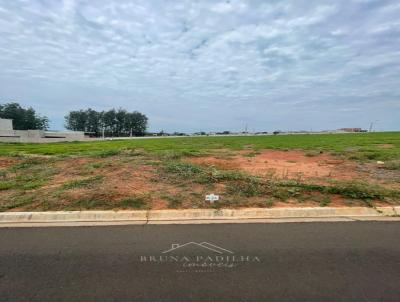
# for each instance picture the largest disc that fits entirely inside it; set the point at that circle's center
(228, 6)
(234, 58)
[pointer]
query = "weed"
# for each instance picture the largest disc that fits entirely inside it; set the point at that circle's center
(136, 202)
(182, 169)
(177, 154)
(357, 190)
(26, 164)
(174, 201)
(270, 202)
(106, 153)
(16, 201)
(7, 184)
(368, 203)
(248, 188)
(392, 165)
(323, 200)
(33, 184)
(89, 167)
(251, 154)
(212, 175)
(281, 194)
(82, 183)
(353, 189)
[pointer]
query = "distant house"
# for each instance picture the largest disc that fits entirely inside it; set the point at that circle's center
(351, 129)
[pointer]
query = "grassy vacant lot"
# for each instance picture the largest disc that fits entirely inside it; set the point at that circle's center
(262, 171)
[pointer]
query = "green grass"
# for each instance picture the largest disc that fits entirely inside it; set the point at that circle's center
(7, 184)
(29, 174)
(82, 183)
(26, 164)
(360, 146)
(182, 169)
(135, 202)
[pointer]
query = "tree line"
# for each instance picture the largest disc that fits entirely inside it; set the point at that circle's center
(114, 122)
(23, 118)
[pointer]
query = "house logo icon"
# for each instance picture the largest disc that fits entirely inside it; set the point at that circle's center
(209, 247)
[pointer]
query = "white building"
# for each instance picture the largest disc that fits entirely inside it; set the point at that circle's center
(8, 134)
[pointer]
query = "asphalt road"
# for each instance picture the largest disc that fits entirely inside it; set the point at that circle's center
(350, 261)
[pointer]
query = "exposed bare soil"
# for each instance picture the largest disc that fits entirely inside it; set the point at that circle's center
(6, 162)
(286, 164)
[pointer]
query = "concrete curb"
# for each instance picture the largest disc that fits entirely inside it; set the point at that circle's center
(193, 215)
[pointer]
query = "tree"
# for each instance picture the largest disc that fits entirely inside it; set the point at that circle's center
(113, 122)
(136, 123)
(93, 123)
(76, 120)
(23, 118)
(109, 122)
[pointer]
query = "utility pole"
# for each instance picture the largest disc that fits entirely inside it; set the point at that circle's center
(371, 125)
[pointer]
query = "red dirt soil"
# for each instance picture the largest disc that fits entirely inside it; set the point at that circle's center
(6, 162)
(286, 164)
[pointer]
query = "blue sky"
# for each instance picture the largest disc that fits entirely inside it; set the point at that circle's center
(207, 65)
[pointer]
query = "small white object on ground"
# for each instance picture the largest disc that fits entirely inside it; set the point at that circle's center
(380, 162)
(212, 197)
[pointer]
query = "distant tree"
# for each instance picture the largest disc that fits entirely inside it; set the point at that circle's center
(136, 123)
(76, 120)
(113, 122)
(93, 122)
(121, 128)
(109, 121)
(23, 118)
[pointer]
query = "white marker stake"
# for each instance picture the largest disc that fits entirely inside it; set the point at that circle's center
(212, 197)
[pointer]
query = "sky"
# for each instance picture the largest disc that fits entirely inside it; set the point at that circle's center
(207, 65)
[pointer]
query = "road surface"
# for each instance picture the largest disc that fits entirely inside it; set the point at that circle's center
(334, 261)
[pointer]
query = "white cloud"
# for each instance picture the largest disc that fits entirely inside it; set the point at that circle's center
(228, 6)
(188, 53)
